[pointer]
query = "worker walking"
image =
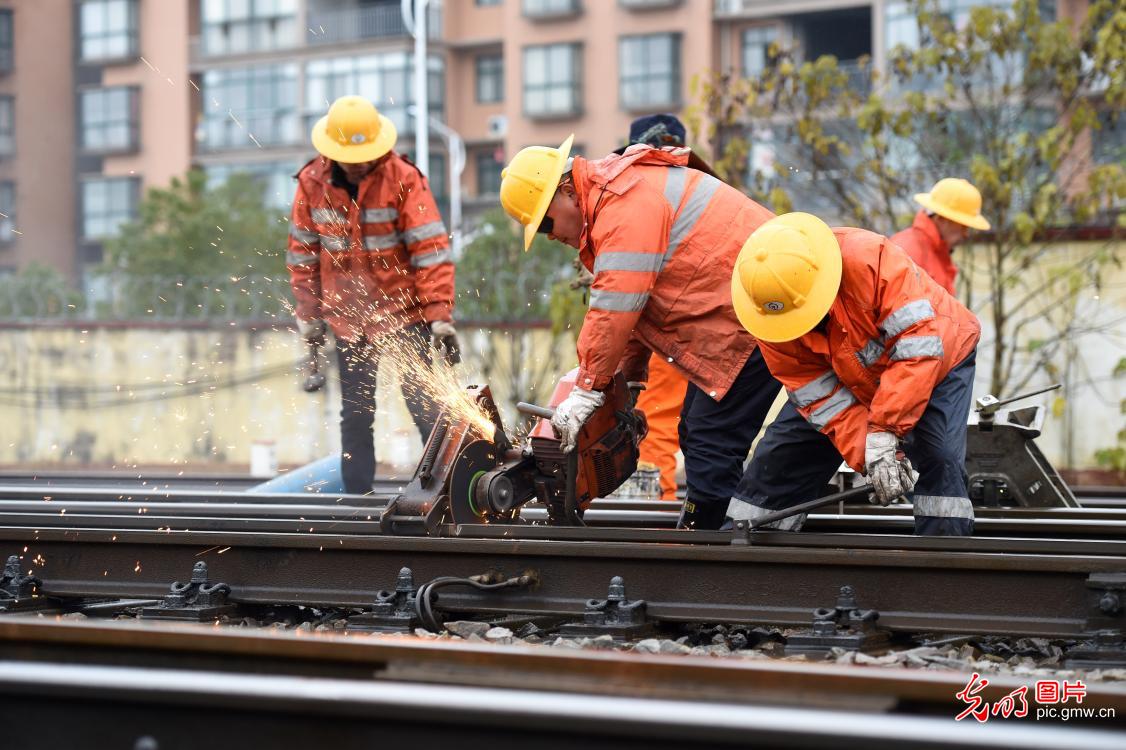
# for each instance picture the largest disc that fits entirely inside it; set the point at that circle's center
(661, 240)
(949, 211)
(878, 364)
(369, 256)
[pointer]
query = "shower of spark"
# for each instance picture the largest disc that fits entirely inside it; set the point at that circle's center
(426, 387)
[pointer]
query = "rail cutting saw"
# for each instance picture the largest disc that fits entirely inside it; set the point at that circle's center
(467, 477)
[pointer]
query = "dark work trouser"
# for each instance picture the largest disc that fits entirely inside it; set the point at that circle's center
(359, 361)
(793, 462)
(716, 436)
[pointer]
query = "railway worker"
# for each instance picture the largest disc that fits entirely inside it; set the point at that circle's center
(369, 258)
(949, 211)
(876, 359)
(663, 397)
(661, 240)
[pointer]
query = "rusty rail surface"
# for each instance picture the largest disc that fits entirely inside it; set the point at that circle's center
(182, 686)
(979, 585)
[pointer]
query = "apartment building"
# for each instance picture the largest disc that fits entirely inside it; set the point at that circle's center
(93, 109)
(101, 99)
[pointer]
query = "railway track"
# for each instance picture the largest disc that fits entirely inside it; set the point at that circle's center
(1037, 572)
(182, 510)
(284, 549)
(1094, 496)
(124, 685)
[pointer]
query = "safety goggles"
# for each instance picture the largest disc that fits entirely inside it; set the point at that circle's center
(547, 225)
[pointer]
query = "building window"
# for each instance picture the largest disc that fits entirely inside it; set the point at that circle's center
(1108, 141)
(550, 8)
(756, 49)
(7, 211)
(438, 178)
(275, 177)
(552, 76)
(650, 71)
(7, 126)
(387, 80)
(902, 25)
(107, 203)
(107, 29)
(488, 172)
(109, 119)
(249, 107)
(5, 41)
(490, 79)
(231, 27)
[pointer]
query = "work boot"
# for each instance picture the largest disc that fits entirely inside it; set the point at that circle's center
(703, 516)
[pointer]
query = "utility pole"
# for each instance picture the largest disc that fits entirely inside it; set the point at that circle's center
(416, 24)
(456, 148)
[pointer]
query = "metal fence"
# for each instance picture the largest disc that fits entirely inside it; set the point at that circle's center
(145, 298)
(507, 295)
(357, 24)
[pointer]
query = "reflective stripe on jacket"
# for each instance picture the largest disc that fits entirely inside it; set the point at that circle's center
(891, 335)
(925, 245)
(373, 265)
(661, 240)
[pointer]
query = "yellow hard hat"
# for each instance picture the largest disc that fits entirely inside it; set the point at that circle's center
(957, 200)
(528, 184)
(786, 277)
(353, 132)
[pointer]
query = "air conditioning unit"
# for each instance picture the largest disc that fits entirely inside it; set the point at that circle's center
(497, 126)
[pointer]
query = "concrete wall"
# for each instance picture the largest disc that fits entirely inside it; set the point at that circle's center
(1086, 415)
(114, 396)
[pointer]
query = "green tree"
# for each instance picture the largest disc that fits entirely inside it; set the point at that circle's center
(198, 251)
(1007, 99)
(499, 282)
(507, 291)
(38, 292)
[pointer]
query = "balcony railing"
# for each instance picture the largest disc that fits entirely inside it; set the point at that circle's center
(550, 10)
(648, 4)
(859, 77)
(357, 24)
(737, 8)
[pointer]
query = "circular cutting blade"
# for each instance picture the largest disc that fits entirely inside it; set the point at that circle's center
(476, 459)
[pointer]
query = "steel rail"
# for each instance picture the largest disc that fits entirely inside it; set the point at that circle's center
(650, 699)
(346, 520)
(191, 509)
(980, 585)
(34, 493)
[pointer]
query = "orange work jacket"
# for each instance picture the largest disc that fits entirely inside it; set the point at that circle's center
(925, 245)
(661, 240)
(371, 265)
(891, 335)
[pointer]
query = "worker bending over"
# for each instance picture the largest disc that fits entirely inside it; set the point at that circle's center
(661, 240)
(949, 211)
(876, 359)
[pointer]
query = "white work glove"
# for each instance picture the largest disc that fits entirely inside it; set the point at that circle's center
(892, 477)
(312, 331)
(443, 337)
(572, 414)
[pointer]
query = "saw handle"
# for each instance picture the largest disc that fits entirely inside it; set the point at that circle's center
(837, 497)
(542, 412)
